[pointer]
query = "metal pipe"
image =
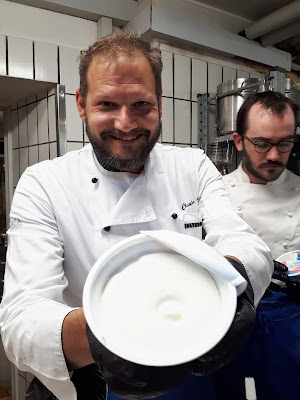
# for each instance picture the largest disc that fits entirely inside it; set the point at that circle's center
(239, 90)
(280, 34)
(278, 18)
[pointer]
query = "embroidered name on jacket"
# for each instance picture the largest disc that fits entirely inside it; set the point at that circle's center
(192, 220)
(192, 225)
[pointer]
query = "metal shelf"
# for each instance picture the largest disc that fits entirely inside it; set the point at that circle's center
(223, 138)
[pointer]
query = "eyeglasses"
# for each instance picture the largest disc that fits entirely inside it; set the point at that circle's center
(264, 147)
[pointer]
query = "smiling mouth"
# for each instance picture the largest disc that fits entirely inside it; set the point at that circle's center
(126, 139)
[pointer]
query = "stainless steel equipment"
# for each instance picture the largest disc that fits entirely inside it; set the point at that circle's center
(230, 97)
(220, 153)
(292, 91)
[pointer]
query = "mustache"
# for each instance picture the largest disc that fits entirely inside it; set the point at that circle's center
(272, 164)
(121, 134)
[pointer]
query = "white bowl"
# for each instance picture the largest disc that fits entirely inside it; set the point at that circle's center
(290, 260)
(119, 257)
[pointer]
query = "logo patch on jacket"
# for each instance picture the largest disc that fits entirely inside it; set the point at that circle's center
(192, 220)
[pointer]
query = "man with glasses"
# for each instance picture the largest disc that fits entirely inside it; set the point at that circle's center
(268, 196)
(266, 193)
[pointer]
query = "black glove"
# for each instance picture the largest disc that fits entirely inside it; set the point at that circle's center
(237, 334)
(290, 288)
(132, 381)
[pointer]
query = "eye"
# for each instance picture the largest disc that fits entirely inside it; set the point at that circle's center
(106, 104)
(262, 145)
(141, 104)
(286, 146)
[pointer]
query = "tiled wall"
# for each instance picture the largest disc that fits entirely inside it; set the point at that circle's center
(184, 76)
(33, 125)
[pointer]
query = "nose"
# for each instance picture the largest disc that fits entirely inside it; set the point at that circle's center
(273, 154)
(125, 120)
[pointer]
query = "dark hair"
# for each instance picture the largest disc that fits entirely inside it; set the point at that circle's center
(273, 101)
(115, 45)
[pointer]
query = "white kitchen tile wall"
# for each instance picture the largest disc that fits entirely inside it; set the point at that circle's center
(42, 111)
(23, 125)
(32, 119)
(23, 159)
(182, 77)
(191, 77)
(68, 66)
(228, 74)
(14, 127)
(33, 156)
(52, 118)
(167, 74)
(2, 55)
(242, 74)
(199, 78)
(73, 146)
(214, 77)
(44, 152)
(20, 57)
(182, 121)
(33, 134)
(167, 120)
(53, 150)
(195, 123)
(16, 166)
(45, 62)
(74, 122)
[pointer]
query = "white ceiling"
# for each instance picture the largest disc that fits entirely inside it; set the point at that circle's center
(251, 9)
(254, 10)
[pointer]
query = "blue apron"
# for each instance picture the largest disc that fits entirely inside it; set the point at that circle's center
(271, 356)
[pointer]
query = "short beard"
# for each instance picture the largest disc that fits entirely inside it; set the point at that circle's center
(110, 161)
(247, 163)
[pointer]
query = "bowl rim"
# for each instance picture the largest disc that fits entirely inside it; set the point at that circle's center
(140, 240)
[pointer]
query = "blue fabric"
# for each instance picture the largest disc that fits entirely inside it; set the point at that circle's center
(271, 356)
(195, 388)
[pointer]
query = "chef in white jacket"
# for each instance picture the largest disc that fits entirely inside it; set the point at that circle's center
(67, 212)
(265, 192)
(268, 197)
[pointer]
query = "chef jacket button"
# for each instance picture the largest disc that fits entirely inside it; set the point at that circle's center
(296, 188)
(174, 215)
(239, 209)
(285, 245)
(107, 228)
(94, 180)
(290, 214)
(233, 185)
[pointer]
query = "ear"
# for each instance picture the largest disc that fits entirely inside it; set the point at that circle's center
(80, 104)
(159, 99)
(238, 141)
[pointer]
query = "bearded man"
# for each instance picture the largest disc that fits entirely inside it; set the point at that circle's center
(265, 192)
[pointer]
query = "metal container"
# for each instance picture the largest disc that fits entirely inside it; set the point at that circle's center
(292, 91)
(230, 97)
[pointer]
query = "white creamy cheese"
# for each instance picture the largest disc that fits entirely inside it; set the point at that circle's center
(160, 306)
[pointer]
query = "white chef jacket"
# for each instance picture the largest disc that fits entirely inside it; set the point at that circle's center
(58, 220)
(272, 210)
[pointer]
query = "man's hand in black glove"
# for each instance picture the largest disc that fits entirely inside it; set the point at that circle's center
(237, 334)
(132, 381)
(285, 284)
